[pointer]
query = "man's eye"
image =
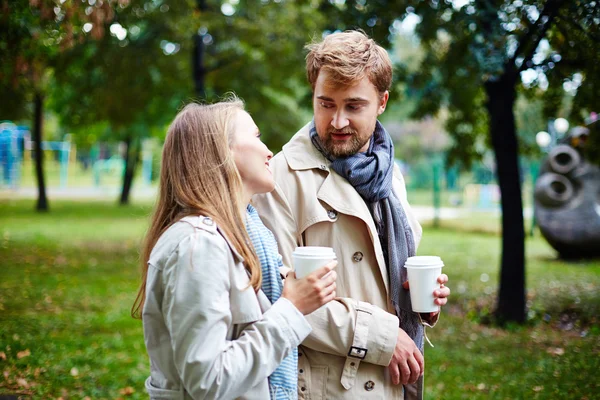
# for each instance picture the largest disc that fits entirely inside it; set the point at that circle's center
(326, 105)
(354, 107)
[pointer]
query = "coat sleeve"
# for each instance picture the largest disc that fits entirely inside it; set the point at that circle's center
(196, 308)
(343, 322)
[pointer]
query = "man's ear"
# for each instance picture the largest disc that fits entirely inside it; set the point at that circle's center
(383, 102)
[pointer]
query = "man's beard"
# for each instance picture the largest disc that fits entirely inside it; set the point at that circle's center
(343, 149)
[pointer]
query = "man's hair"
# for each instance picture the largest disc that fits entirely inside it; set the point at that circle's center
(349, 56)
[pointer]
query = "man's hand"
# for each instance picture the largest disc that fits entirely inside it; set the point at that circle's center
(440, 294)
(407, 363)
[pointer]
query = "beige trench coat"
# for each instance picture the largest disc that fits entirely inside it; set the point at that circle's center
(209, 335)
(353, 338)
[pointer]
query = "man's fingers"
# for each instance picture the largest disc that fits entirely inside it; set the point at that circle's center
(405, 285)
(394, 373)
(404, 372)
(442, 279)
(420, 360)
(415, 370)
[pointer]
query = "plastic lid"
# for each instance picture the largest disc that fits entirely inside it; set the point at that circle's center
(424, 261)
(314, 251)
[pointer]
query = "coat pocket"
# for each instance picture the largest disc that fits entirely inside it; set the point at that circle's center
(162, 394)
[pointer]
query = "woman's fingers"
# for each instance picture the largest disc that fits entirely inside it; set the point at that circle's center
(325, 269)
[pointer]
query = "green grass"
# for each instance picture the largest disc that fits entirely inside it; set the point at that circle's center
(68, 278)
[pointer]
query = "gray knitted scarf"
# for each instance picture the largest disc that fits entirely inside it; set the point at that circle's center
(371, 174)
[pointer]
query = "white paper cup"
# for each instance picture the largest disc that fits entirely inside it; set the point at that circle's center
(307, 259)
(423, 272)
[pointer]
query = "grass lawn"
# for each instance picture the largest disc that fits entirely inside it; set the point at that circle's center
(68, 278)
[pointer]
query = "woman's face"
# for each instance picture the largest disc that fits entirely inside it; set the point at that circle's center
(251, 156)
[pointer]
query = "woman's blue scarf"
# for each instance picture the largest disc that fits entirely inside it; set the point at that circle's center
(283, 382)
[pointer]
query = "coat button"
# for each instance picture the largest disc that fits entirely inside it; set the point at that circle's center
(323, 167)
(303, 388)
(332, 214)
(370, 385)
(358, 256)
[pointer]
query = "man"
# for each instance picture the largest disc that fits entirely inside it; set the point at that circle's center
(337, 186)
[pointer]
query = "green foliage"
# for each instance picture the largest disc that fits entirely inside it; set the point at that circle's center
(483, 41)
(33, 36)
(257, 52)
(123, 79)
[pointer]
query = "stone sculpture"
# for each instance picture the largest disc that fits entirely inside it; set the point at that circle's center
(567, 199)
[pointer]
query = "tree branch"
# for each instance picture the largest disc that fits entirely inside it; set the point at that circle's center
(582, 30)
(529, 42)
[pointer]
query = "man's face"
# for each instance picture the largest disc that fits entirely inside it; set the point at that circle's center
(345, 117)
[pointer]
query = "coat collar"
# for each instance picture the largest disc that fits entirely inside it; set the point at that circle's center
(301, 154)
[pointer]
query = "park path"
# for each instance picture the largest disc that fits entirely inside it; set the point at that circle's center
(148, 194)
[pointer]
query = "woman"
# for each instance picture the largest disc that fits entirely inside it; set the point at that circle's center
(209, 330)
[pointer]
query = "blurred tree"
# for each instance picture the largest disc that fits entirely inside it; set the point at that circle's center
(131, 81)
(33, 34)
(255, 49)
(137, 77)
(478, 53)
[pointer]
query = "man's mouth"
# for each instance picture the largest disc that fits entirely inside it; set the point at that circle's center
(340, 135)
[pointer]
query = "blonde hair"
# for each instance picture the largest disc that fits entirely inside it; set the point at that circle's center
(199, 176)
(349, 56)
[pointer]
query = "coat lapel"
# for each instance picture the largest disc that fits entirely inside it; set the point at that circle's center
(339, 194)
(335, 190)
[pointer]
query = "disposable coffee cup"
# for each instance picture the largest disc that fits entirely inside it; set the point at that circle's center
(423, 272)
(307, 259)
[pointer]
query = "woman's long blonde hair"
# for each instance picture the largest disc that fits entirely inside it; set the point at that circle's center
(199, 176)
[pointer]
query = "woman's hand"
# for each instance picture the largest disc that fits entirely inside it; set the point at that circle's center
(312, 291)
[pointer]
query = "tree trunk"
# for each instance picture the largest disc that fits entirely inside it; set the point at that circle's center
(198, 65)
(42, 201)
(198, 69)
(511, 299)
(131, 161)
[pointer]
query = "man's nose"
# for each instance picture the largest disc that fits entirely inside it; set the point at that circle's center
(339, 120)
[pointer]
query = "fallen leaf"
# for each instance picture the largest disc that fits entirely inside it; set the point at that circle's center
(2, 355)
(74, 371)
(557, 351)
(127, 391)
(24, 353)
(23, 383)
(538, 388)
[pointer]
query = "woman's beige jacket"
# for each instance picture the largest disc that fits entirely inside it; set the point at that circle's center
(208, 334)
